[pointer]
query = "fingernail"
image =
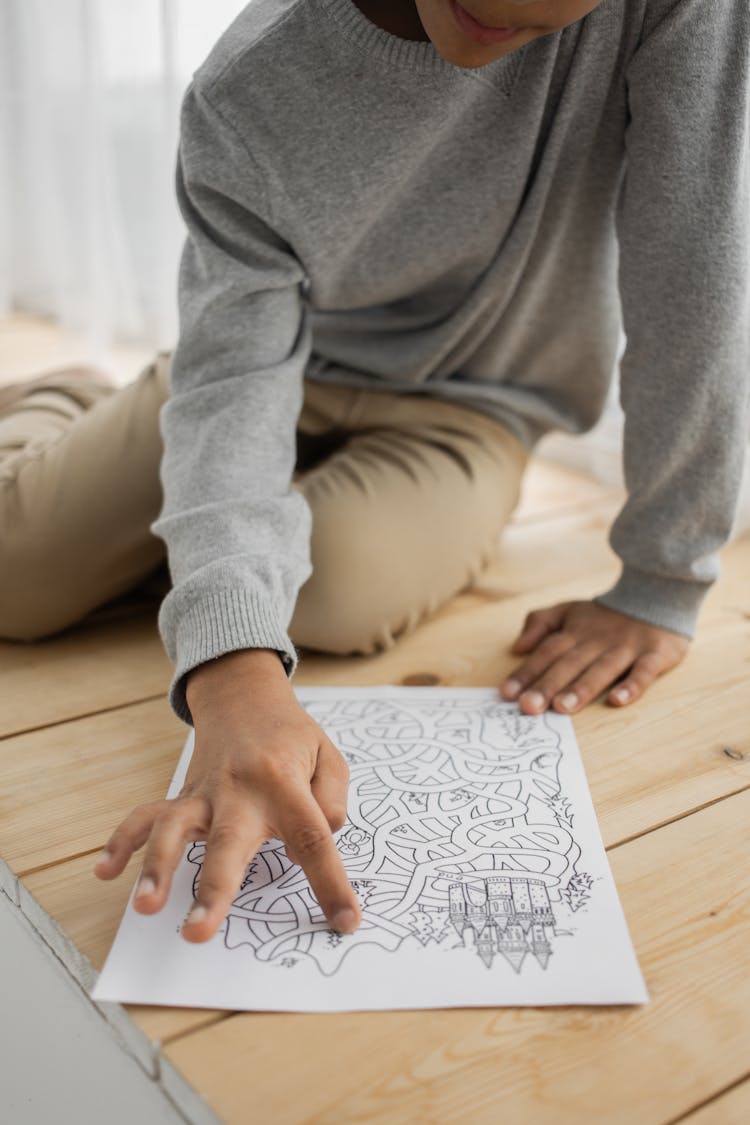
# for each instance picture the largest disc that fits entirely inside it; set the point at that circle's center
(344, 920)
(146, 886)
(511, 689)
(569, 701)
(534, 699)
(621, 695)
(197, 914)
(103, 857)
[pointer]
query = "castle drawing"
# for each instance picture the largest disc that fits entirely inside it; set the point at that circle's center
(512, 917)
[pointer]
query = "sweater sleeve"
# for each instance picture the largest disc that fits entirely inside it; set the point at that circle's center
(684, 237)
(236, 531)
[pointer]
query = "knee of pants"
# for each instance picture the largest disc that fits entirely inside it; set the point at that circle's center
(361, 596)
(327, 622)
(25, 614)
(41, 592)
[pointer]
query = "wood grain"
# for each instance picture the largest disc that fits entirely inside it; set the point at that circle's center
(98, 666)
(645, 766)
(100, 739)
(688, 916)
(731, 1108)
(65, 788)
(549, 489)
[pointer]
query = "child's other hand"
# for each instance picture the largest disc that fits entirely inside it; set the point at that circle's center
(579, 650)
(261, 769)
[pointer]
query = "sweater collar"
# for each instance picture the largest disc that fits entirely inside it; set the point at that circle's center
(411, 54)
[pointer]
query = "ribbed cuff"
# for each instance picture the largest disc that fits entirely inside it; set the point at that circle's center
(669, 603)
(220, 623)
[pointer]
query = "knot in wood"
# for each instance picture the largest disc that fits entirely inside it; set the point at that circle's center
(421, 679)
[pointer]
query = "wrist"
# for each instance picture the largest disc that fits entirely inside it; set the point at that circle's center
(219, 680)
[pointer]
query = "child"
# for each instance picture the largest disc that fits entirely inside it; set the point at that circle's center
(413, 229)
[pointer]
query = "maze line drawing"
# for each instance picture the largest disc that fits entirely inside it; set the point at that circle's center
(458, 837)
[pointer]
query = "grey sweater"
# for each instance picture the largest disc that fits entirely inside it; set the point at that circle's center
(360, 211)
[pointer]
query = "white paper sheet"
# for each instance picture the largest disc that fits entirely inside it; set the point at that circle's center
(473, 846)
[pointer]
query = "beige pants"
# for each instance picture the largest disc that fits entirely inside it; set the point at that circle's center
(408, 495)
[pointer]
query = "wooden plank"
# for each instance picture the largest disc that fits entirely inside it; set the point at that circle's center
(686, 892)
(731, 1108)
(688, 744)
(104, 664)
(30, 345)
(532, 556)
(549, 489)
(645, 765)
(65, 788)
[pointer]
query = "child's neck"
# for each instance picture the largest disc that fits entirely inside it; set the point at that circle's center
(399, 17)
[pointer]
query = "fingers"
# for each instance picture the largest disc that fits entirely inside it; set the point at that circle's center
(306, 833)
(236, 834)
(641, 676)
(126, 839)
(601, 674)
(538, 624)
(179, 822)
(582, 673)
(306, 810)
(571, 678)
(167, 825)
(330, 784)
(528, 675)
(578, 650)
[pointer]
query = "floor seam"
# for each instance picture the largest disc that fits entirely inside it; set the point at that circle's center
(675, 819)
(708, 1101)
(85, 715)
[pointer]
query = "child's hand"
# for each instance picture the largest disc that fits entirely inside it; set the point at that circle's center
(580, 649)
(261, 768)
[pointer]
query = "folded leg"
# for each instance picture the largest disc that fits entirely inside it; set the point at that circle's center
(79, 487)
(407, 509)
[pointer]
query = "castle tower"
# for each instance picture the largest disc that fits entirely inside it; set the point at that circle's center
(541, 907)
(522, 903)
(499, 900)
(485, 945)
(457, 907)
(540, 945)
(476, 905)
(512, 945)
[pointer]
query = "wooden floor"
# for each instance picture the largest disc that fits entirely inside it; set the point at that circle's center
(85, 734)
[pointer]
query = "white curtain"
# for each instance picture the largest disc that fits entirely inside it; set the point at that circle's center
(90, 91)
